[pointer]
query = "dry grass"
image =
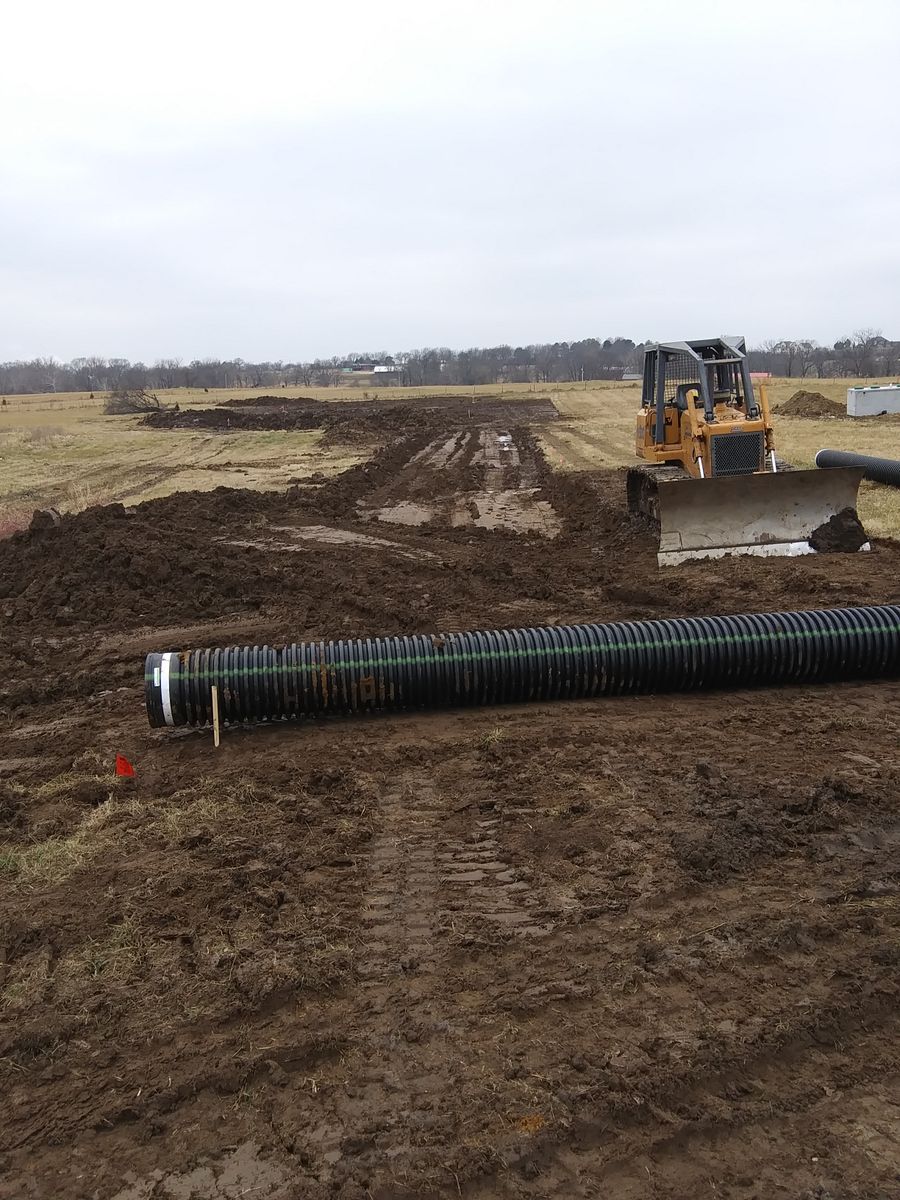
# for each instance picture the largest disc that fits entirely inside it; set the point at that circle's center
(13, 519)
(117, 956)
(492, 737)
(91, 459)
(205, 803)
(90, 767)
(52, 859)
(55, 858)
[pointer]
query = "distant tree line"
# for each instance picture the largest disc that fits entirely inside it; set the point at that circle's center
(866, 353)
(862, 355)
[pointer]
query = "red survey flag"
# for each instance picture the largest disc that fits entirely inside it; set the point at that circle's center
(123, 766)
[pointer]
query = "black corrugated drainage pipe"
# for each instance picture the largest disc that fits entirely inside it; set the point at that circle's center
(260, 683)
(879, 470)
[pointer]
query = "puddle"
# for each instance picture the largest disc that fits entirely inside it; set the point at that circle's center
(495, 451)
(327, 536)
(240, 1172)
(516, 510)
(405, 512)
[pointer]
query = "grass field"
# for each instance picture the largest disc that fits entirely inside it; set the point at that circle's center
(61, 450)
(70, 456)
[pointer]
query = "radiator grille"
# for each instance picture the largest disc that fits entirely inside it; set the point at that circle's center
(737, 453)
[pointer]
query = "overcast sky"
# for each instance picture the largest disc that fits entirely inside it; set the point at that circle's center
(293, 180)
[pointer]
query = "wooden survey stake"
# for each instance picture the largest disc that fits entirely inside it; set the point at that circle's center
(215, 710)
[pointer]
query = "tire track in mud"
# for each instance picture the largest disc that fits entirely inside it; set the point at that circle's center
(484, 477)
(711, 1083)
(497, 460)
(484, 890)
(398, 911)
(443, 452)
(423, 890)
(395, 966)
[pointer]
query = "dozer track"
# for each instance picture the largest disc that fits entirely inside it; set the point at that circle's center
(775, 513)
(642, 489)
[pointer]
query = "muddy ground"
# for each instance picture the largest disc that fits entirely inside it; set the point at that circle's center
(644, 947)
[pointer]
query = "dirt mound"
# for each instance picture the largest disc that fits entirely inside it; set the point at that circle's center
(350, 427)
(344, 423)
(307, 416)
(810, 404)
(356, 421)
(190, 555)
(842, 532)
(269, 401)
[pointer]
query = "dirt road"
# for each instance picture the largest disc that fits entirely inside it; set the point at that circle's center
(486, 478)
(642, 947)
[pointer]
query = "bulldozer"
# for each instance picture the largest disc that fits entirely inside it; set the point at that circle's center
(710, 479)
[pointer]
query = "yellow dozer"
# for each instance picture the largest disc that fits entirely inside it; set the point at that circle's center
(710, 479)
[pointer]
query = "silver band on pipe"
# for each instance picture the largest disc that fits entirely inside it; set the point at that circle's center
(164, 693)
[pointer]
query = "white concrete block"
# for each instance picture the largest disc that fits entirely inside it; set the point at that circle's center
(870, 401)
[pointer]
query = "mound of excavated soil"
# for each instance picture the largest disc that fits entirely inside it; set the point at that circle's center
(269, 401)
(356, 421)
(349, 426)
(810, 404)
(311, 416)
(843, 531)
(343, 423)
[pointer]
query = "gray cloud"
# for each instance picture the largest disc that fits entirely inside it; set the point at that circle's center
(289, 187)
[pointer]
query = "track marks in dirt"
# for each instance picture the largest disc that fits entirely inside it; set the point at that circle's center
(397, 1007)
(241, 1171)
(483, 895)
(487, 478)
(398, 910)
(445, 452)
(572, 448)
(384, 1004)
(429, 893)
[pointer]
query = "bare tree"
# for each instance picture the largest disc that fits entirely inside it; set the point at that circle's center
(127, 401)
(788, 350)
(805, 351)
(859, 351)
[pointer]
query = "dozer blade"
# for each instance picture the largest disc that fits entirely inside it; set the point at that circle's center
(780, 513)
